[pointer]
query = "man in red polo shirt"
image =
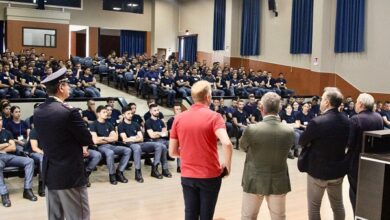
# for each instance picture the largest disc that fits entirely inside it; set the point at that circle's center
(197, 131)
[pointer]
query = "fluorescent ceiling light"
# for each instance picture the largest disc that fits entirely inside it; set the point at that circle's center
(132, 5)
(117, 8)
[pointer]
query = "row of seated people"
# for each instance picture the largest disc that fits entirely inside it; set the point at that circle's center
(169, 78)
(296, 113)
(123, 138)
(21, 76)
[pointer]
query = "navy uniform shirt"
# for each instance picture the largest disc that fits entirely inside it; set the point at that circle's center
(17, 129)
(91, 116)
(166, 81)
(29, 79)
(152, 76)
(101, 129)
(241, 117)
(234, 82)
(250, 109)
(304, 119)
(73, 80)
(5, 79)
(181, 79)
(210, 79)
(282, 82)
(137, 119)
(5, 136)
(386, 114)
(129, 129)
(288, 118)
(155, 125)
(32, 136)
(257, 115)
(115, 114)
(194, 79)
(87, 79)
(170, 123)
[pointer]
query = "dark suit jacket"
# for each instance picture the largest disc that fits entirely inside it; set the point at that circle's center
(62, 133)
(364, 121)
(327, 136)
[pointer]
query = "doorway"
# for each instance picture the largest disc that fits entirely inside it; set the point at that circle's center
(161, 53)
(78, 40)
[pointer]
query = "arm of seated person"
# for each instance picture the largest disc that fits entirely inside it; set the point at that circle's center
(113, 137)
(8, 147)
(153, 134)
(34, 146)
(98, 140)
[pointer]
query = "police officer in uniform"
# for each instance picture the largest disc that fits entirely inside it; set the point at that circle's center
(62, 133)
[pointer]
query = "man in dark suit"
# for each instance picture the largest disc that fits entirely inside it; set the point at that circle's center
(364, 120)
(62, 133)
(326, 136)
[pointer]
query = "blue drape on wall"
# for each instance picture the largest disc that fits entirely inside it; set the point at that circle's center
(250, 28)
(132, 42)
(350, 26)
(219, 24)
(190, 44)
(1, 36)
(301, 27)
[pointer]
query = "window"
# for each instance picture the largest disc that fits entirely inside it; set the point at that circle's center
(132, 6)
(39, 37)
(52, 3)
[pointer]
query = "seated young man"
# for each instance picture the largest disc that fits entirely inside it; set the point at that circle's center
(8, 159)
(89, 115)
(166, 87)
(105, 136)
(152, 80)
(89, 83)
(182, 84)
(176, 111)
(156, 131)
(281, 83)
(31, 85)
(131, 134)
(240, 120)
(7, 82)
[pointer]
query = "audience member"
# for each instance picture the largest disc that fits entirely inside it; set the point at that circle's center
(18, 128)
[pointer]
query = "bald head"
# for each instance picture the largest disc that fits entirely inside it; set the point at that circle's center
(200, 91)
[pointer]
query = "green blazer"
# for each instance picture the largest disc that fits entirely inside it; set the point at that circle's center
(267, 144)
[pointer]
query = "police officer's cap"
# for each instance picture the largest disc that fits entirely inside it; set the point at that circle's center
(57, 77)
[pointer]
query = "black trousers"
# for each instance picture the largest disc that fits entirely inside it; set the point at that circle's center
(352, 179)
(200, 197)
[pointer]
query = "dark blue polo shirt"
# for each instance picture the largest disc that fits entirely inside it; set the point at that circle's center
(288, 118)
(181, 79)
(152, 76)
(5, 79)
(250, 109)
(90, 115)
(129, 129)
(155, 125)
(137, 119)
(245, 82)
(88, 78)
(166, 81)
(282, 82)
(17, 129)
(32, 136)
(120, 67)
(210, 79)
(304, 119)
(101, 129)
(29, 79)
(387, 115)
(194, 79)
(5, 136)
(257, 114)
(234, 82)
(170, 123)
(241, 117)
(73, 80)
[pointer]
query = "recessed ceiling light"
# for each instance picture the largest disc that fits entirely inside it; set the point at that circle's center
(116, 8)
(132, 5)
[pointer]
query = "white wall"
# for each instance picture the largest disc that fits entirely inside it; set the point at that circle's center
(93, 15)
(166, 25)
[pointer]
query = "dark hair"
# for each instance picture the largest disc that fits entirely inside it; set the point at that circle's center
(108, 106)
(110, 99)
(177, 104)
(36, 105)
(125, 109)
(152, 106)
(52, 88)
(100, 108)
(131, 104)
(14, 107)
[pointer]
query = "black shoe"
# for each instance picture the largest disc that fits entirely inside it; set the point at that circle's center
(155, 173)
(296, 152)
(128, 166)
(120, 177)
(28, 194)
(113, 179)
(148, 162)
(138, 176)
(166, 173)
(5, 200)
(291, 155)
(178, 170)
(170, 158)
(87, 174)
(41, 189)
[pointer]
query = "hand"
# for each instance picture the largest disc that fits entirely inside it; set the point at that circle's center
(223, 171)
(85, 152)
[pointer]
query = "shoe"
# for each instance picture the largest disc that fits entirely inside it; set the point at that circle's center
(148, 162)
(41, 189)
(155, 173)
(166, 173)
(113, 179)
(291, 154)
(28, 194)
(5, 200)
(178, 170)
(87, 174)
(138, 176)
(128, 166)
(120, 177)
(170, 158)
(297, 152)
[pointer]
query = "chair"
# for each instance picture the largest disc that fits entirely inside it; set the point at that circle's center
(104, 72)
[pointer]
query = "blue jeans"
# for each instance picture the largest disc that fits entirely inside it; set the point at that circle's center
(109, 151)
(38, 93)
(9, 91)
(154, 89)
(218, 92)
(93, 160)
(92, 92)
(232, 91)
(147, 147)
(184, 91)
(171, 95)
(164, 152)
(129, 76)
(76, 92)
(200, 197)
(38, 159)
(10, 160)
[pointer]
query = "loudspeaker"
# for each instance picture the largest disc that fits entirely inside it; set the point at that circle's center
(271, 5)
(41, 4)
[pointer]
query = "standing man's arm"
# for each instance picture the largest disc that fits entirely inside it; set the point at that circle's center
(227, 147)
(174, 148)
(309, 134)
(244, 143)
(78, 129)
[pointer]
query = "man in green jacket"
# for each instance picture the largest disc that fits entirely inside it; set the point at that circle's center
(267, 144)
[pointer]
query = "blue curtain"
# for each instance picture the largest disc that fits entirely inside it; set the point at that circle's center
(188, 50)
(301, 27)
(350, 26)
(250, 28)
(1, 36)
(219, 24)
(132, 42)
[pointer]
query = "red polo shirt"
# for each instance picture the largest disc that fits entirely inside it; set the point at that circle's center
(195, 131)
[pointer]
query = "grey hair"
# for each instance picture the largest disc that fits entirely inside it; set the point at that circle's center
(367, 100)
(271, 103)
(334, 96)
